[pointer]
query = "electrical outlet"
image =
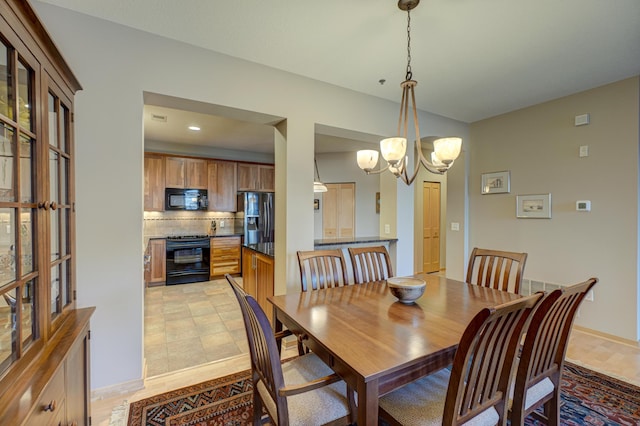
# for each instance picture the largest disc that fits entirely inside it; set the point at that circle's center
(589, 296)
(387, 228)
(222, 224)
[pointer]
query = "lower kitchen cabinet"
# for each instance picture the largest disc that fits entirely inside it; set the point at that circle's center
(54, 388)
(257, 278)
(155, 271)
(225, 256)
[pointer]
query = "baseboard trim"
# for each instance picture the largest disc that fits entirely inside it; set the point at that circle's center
(117, 389)
(617, 339)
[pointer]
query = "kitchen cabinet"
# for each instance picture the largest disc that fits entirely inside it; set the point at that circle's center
(183, 172)
(256, 177)
(223, 184)
(257, 278)
(225, 256)
(155, 262)
(153, 182)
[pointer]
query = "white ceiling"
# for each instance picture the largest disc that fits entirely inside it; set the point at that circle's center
(473, 59)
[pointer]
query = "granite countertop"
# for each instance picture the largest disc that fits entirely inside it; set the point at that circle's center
(264, 248)
(356, 240)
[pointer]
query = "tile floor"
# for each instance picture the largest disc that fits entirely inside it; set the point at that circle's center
(191, 324)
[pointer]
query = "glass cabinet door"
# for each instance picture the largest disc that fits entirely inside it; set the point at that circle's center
(59, 206)
(19, 276)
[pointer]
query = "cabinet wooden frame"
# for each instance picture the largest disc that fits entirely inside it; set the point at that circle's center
(40, 202)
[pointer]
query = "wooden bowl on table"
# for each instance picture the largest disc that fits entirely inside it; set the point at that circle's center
(406, 289)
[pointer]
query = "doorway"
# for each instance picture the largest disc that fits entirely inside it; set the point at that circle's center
(430, 227)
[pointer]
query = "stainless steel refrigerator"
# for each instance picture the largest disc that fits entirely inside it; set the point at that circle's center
(258, 216)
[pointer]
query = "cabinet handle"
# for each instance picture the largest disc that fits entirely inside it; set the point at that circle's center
(53, 205)
(50, 406)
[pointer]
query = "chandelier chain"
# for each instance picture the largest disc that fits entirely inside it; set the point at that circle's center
(409, 72)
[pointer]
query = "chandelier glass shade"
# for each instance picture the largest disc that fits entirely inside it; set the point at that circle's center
(394, 149)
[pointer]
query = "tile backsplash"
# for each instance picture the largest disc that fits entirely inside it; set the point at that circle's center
(164, 224)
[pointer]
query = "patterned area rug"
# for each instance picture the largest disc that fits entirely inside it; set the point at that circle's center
(588, 398)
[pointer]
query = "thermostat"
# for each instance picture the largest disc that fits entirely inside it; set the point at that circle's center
(583, 206)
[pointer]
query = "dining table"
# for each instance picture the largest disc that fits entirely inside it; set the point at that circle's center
(376, 343)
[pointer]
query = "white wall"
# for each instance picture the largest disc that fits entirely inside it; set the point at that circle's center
(540, 146)
(115, 65)
(342, 168)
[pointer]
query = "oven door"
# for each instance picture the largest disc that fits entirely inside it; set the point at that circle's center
(187, 261)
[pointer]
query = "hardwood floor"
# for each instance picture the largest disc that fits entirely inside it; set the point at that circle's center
(612, 356)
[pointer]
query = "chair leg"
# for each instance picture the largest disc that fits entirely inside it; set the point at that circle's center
(353, 408)
(257, 408)
(552, 409)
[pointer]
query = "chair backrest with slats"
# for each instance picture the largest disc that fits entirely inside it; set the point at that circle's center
(502, 270)
(370, 264)
(322, 269)
(545, 344)
(481, 372)
(265, 360)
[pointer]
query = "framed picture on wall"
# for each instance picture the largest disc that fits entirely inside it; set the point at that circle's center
(377, 202)
(533, 206)
(496, 182)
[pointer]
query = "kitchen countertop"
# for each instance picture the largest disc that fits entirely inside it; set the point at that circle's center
(263, 248)
(356, 240)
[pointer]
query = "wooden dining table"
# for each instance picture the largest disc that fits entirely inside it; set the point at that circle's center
(374, 342)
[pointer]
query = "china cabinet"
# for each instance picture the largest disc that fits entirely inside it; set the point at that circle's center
(40, 327)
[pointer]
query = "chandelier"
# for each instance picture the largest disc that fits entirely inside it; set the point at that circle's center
(445, 150)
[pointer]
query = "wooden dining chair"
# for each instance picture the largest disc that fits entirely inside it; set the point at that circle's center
(322, 269)
(539, 370)
(302, 391)
(501, 270)
(476, 390)
(370, 264)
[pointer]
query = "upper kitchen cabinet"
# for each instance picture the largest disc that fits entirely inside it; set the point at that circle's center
(153, 182)
(181, 172)
(256, 177)
(222, 186)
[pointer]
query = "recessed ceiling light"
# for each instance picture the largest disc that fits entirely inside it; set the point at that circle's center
(194, 128)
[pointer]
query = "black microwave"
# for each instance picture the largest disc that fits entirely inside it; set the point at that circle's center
(185, 199)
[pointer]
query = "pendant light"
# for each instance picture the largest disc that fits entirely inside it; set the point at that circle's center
(393, 149)
(318, 186)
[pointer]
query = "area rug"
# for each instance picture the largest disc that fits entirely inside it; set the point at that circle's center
(588, 398)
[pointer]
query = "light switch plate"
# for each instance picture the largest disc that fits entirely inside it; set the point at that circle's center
(455, 226)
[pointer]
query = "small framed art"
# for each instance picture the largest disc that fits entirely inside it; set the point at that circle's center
(496, 182)
(536, 206)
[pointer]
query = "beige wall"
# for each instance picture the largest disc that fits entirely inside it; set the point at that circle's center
(540, 146)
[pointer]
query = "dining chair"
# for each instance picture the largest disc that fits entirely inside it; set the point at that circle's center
(370, 264)
(476, 389)
(539, 370)
(497, 269)
(302, 391)
(322, 269)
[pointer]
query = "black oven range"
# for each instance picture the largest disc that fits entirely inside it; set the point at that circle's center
(187, 259)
